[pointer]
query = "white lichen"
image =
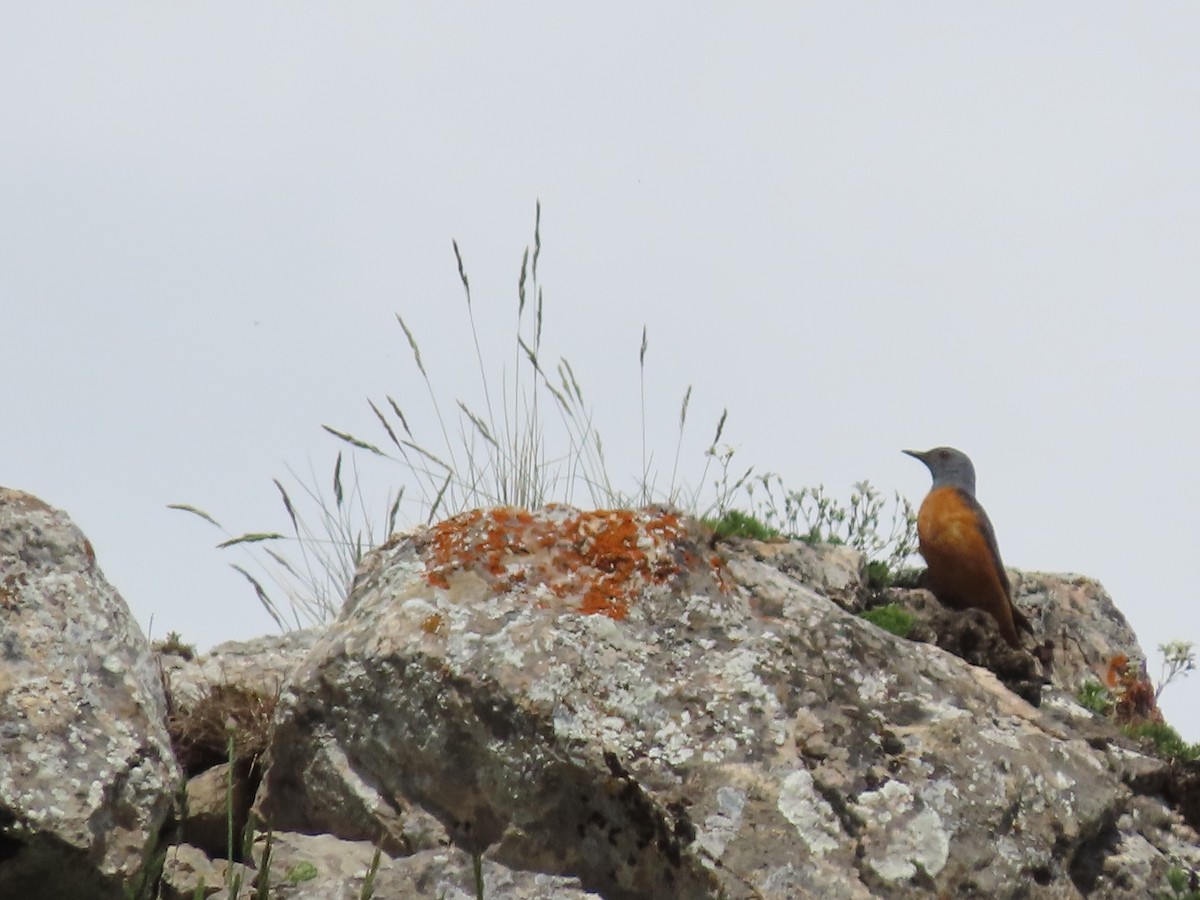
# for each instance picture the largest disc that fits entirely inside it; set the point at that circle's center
(721, 826)
(903, 837)
(810, 814)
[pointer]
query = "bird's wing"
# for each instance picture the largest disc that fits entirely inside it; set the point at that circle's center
(989, 536)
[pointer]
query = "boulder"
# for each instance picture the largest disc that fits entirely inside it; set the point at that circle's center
(1083, 625)
(608, 697)
(321, 867)
(87, 777)
(188, 870)
(260, 665)
(205, 824)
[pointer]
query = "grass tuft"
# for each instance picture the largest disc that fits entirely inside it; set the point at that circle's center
(174, 645)
(1166, 741)
(892, 617)
(368, 887)
(810, 514)
(1182, 884)
(1095, 697)
(735, 523)
(532, 440)
(879, 574)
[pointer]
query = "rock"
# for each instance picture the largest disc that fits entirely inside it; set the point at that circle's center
(205, 824)
(184, 868)
(602, 696)
(348, 803)
(836, 571)
(974, 636)
(320, 867)
(1078, 631)
(1080, 619)
(235, 684)
(261, 665)
(86, 772)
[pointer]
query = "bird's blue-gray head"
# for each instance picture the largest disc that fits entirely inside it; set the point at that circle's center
(949, 467)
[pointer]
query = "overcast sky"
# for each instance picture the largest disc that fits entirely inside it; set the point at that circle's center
(858, 227)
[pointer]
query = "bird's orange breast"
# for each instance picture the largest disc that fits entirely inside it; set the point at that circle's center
(962, 568)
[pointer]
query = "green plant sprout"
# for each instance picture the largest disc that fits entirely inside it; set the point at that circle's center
(1179, 659)
(1095, 697)
(811, 514)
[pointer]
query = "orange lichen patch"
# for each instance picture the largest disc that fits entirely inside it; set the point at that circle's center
(1116, 668)
(1136, 698)
(433, 624)
(592, 562)
(720, 573)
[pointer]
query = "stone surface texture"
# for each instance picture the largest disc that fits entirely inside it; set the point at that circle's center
(612, 697)
(606, 704)
(204, 823)
(187, 869)
(321, 867)
(1079, 617)
(262, 665)
(86, 772)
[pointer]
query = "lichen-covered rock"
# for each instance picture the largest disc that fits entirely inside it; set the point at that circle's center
(321, 867)
(86, 773)
(261, 665)
(607, 697)
(837, 571)
(1078, 632)
(185, 870)
(1079, 618)
(211, 797)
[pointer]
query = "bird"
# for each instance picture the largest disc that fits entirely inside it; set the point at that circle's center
(959, 545)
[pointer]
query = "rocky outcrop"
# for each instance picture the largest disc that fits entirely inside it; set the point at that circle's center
(87, 777)
(567, 704)
(329, 867)
(606, 696)
(1079, 632)
(1078, 617)
(229, 693)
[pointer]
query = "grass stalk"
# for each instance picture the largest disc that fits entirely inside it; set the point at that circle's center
(477, 867)
(513, 453)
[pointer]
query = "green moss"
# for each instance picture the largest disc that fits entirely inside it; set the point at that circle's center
(1166, 740)
(301, 871)
(879, 574)
(1095, 697)
(1183, 885)
(735, 523)
(892, 617)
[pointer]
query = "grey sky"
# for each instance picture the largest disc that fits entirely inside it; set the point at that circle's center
(860, 228)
